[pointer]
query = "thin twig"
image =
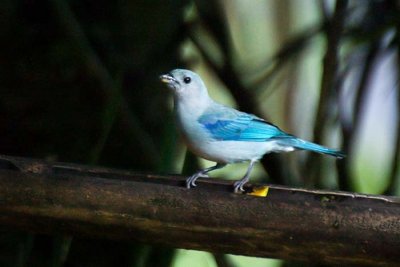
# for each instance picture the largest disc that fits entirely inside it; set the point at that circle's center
(334, 31)
(349, 131)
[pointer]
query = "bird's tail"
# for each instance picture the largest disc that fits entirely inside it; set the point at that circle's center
(305, 145)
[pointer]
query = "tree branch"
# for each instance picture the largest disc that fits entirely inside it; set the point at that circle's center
(307, 225)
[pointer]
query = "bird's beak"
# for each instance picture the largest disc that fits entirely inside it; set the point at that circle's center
(168, 78)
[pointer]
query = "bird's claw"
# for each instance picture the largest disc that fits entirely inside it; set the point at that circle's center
(191, 181)
(190, 185)
(238, 186)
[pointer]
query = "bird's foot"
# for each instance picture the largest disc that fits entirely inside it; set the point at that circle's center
(191, 181)
(238, 185)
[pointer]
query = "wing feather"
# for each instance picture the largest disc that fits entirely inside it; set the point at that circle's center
(240, 126)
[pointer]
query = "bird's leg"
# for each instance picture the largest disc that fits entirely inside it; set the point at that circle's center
(238, 185)
(191, 181)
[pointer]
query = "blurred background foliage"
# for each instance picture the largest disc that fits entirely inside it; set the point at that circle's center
(79, 83)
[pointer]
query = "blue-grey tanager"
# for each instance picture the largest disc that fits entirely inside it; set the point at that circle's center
(225, 135)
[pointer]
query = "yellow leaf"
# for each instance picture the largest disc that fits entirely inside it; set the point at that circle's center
(261, 191)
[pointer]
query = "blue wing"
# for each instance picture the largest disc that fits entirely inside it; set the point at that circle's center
(227, 124)
(238, 126)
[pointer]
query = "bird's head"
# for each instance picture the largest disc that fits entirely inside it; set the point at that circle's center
(185, 84)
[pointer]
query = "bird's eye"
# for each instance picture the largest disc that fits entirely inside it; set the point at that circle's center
(187, 80)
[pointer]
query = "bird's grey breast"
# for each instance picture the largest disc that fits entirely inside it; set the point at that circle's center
(187, 122)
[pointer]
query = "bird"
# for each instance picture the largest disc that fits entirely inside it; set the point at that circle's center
(223, 134)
